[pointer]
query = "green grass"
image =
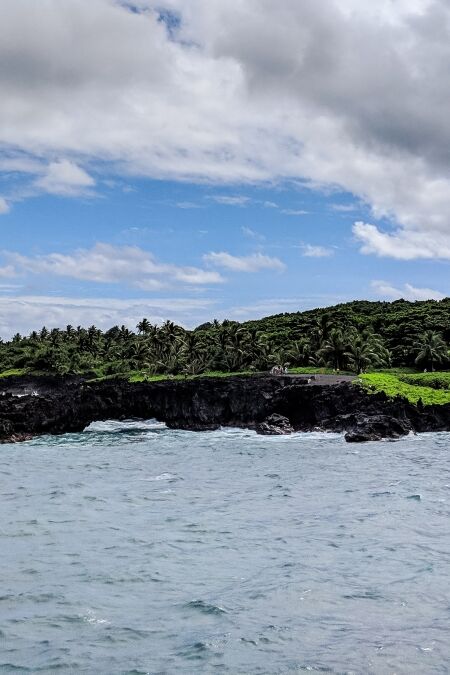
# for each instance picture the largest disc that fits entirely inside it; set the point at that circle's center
(395, 371)
(433, 380)
(314, 370)
(394, 385)
(143, 376)
(14, 371)
(140, 376)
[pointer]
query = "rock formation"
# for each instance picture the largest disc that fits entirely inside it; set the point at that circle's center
(268, 404)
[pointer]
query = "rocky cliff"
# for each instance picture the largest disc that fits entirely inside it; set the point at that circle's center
(270, 405)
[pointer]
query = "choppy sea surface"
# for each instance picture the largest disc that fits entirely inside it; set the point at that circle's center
(131, 548)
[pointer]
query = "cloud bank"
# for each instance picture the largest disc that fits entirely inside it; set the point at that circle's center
(250, 263)
(388, 291)
(23, 313)
(105, 263)
(4, 206)
(311, 251)
(340, 94)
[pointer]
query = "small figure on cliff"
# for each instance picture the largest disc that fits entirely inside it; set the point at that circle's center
(277, 370)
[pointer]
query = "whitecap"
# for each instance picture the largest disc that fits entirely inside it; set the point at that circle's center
(242, 432)
(116, 426)
(91, 618)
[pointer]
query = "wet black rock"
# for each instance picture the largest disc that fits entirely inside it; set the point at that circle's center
(268, 404)
(275, 425)
(376, 427)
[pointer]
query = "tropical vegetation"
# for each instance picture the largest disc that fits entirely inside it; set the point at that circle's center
(394, 385)
(355, 337)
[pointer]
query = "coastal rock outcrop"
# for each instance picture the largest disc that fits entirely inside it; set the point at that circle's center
(275, 425)
(374, 428)
(268, 404)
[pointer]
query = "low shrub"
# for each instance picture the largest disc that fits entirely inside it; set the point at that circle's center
(433, 380)
(394, 385)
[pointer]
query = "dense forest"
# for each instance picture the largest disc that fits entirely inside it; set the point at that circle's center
(355, 336)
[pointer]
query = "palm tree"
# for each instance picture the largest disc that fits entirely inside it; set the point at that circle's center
(280, 357)
(112, 333)
(198, 365)
(323, 327)
(92, 339)
(363, 352)
(299, 352)
(55, 334)
(169, 362)
(124, 332)
(138, 354)
(431, 349)
(190, 348)
(333, 349)
(144, 326)
(237, 353)
(264, 358)
(386, 357)
(169, 329)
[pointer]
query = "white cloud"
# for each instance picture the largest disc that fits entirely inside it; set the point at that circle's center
(18, 163)
(250, 263)
(24, 313)
(252, 234)
(64, 178)
(237, 200)
(240, 91)
(4, 206)
(344, 208)
(310, 251)
(402, 244)
(385, 290)
(7, 271)
(105, 263)
(294, 212)
(189, 205)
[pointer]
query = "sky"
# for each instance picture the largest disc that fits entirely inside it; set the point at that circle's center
(200, 159)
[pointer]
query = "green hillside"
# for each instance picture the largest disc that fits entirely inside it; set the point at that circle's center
(356, 337)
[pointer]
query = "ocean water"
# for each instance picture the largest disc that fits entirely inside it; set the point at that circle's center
(134, 549)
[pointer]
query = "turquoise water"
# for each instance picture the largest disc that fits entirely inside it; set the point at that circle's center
(132, 548)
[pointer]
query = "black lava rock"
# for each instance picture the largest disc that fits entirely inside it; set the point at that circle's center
(275, 425)
(268, 404)
(376, 427)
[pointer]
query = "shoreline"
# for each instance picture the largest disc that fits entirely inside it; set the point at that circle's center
(269, 404)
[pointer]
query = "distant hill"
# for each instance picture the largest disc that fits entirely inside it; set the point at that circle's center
(355, 336)
(397, 322)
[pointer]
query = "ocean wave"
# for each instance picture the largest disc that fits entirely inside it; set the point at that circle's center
(242, 432)
(120, 426)
(162, 476)
(206, 607)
